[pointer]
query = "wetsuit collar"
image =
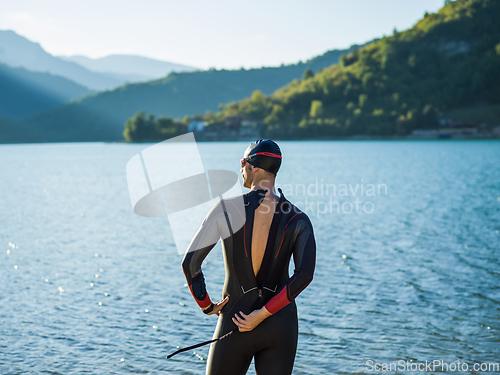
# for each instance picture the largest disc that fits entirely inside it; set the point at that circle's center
(257, 196)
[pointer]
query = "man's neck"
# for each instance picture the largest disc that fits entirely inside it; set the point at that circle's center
(264, 185)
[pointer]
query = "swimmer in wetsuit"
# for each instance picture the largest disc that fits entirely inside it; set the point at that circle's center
(258, 292)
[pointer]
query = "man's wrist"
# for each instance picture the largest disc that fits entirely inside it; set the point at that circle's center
(265, 313)
(209, 309)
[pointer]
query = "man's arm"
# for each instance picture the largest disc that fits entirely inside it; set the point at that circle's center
(203, 242)
(304, 257)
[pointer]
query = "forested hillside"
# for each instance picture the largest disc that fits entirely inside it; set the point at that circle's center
(448, 61)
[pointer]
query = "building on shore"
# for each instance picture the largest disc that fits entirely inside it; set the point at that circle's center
(456, 130)
(196, 125)
(234, 128)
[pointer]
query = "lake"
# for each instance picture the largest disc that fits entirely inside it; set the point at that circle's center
(407, 270)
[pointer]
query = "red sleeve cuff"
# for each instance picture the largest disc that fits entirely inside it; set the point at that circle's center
(279, 301)
(203, 304)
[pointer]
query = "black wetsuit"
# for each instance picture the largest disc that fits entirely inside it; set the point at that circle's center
(273, 342)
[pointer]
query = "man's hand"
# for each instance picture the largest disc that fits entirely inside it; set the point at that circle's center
(246, 323)
(218, 306)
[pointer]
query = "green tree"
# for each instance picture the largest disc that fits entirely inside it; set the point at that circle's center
(276, 114)
(308, 73)
(140, 128)
(316, 108)
(430, 117)
(342, 60)
(137, 128)
(362, 100)
(210, 117)
(165, 127)
(258, 96)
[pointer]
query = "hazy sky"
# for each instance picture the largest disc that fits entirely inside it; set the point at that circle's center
(220, 34)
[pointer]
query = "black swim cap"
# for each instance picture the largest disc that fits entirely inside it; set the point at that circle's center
(264, 154)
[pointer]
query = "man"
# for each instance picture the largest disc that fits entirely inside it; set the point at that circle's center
(258, 292)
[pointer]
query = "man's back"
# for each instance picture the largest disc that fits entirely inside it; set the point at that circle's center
(264, 215)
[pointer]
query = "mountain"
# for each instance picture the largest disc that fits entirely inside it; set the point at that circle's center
(101, 116)
(447, 64)
(129, 68)
(17, 51)
(23, 92)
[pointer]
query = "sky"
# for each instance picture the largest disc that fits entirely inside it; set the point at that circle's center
(209, 34)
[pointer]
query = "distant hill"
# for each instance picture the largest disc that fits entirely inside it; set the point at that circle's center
(101, 116)
(17, 51)
(448, 62)
(17, 131)
(129, 68)
(23, 92)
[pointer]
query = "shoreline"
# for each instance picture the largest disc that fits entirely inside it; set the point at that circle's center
(349, 138)
(485, 137)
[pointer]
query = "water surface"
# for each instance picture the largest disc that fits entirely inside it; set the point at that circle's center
(411, 273)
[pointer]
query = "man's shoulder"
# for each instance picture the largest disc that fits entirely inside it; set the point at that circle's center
(236, 200)
(294, 212)
(231, 204)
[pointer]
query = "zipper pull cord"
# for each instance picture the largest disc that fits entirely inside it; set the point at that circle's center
(201, 344)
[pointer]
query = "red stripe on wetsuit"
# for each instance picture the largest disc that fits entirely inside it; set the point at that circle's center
(281, 299)
(203, 304)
